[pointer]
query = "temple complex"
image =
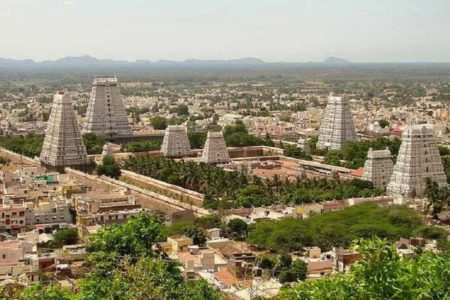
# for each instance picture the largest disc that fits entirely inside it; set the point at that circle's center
(176, 142)
(106, 115)
(418, 158)
(63, 145)
(378, 167)
(215, 150)
(337, 125)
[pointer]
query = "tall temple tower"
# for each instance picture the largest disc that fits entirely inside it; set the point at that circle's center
(176, 142)
(106, 115)
(378, 167)
(418, 158)
(337, 125)
(63, 145)
(215, 150)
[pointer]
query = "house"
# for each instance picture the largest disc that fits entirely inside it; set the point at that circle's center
(319, 267)
(241, 265)
(179, 244)
(12, 252)
(344, 258)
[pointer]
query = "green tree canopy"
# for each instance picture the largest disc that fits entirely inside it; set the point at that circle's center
(338, 228)
(159, 123)
(94, 144)
(109, 167)
(66, 236)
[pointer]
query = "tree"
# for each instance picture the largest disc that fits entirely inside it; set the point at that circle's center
(333, 158)
(265, 262)
(159, 123)
(181, 110)
(296, 152)
(109, 167)
(196, 234)
(197, 139)
(383, 123)
(40, 292)
(94, 144)
(30, 145)
(66, 236)
(438, 198)
(237, 227)
(338, 228)
(209, 221)
(299, 268)
(284, 261)
(142, 146)
(135, 238)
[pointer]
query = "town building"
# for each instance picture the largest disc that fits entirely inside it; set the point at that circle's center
(63, 145)
(378, 167)
(215, 150)
(337, 125)
(176, 142)
(418, 159)
(106, 115)
(343, 258)
(103, 208)
(54, 211)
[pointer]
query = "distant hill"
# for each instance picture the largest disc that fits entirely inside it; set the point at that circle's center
(87, 63)
(332, 60)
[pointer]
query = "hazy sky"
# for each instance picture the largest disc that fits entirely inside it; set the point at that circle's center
(273, 30)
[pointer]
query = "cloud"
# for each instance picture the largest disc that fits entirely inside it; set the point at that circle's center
(68, 2)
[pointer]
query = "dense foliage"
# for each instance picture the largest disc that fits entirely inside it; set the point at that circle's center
(30, 145)
(446, 163)
(159, 123)
(181, 110)
(225, 189)
(142, 146)
(66, 236)
(123, 264)
(109, 167)
(197, 139)
(337, 228)
(355, 152)
(237, 136)
(296, 152)
(381, 274)
(94, 144)
(283, 267)
(438, 198)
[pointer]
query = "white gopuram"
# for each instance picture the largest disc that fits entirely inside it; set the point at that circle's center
(378, 168)
(304, 145)
(337, 125)
(106, 115)
(63, 145)
(418, 158)
(107, 149)
(215, 150)
(176, 142)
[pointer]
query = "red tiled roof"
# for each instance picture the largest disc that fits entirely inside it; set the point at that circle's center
(358, 172)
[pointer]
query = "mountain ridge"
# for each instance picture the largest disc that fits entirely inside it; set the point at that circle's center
(87, 61)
